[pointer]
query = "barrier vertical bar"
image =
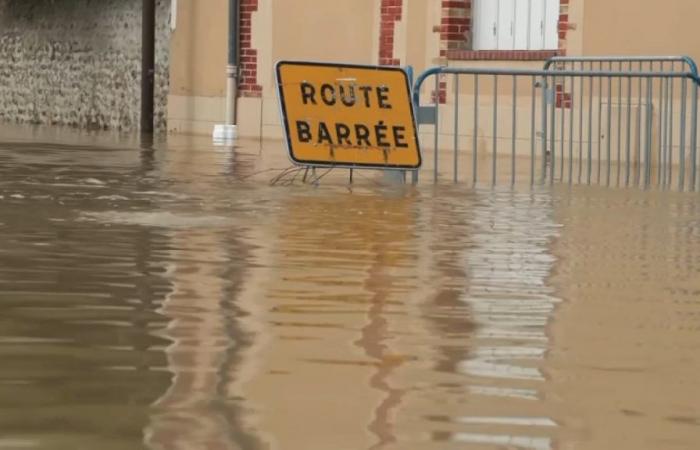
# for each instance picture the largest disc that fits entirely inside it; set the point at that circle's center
(533, 111)
(661, 123)
(495, 130)
(619, 126)
(562, 104)
(437, 128)
(629, 131)
(600, 119)
(553, 147)
(638, 177)
(545, 88)
(515, 129)
(590, 130)
(681, 150)
(456, 128)
(410, 76)
(608, 133)
(649, 120)
(571, 130)
(476, 129)
(580, 127)
(669, 164)
(694, 137)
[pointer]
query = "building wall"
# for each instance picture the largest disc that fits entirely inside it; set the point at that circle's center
(325, 31)
(642, 27)
(198, 51)
(78, 62)
(420, 33)
(338, 31)
(343, 30)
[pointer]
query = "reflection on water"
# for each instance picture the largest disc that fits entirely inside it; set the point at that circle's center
(511, 304)
(164, 296)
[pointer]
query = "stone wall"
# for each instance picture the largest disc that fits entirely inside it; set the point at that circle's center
(78, 62)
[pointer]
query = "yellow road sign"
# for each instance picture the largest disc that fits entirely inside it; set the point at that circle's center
(344, 115)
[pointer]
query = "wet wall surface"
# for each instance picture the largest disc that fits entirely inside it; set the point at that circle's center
(78, 62)
(165, 296)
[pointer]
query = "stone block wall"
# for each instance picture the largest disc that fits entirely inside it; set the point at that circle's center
(78, 62)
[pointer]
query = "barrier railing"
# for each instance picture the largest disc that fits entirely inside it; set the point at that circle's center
(623, 126)
(680, 64)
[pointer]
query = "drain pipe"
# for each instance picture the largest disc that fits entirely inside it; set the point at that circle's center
(229, 131)
(148, 39)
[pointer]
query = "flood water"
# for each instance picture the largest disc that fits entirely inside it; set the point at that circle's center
(166, 296)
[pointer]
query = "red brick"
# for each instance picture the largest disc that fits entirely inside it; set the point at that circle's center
(455, 21)
(248, 86)
(391, 11)
(520, 55)
(451, 36)
(451, 28)
(455, 4)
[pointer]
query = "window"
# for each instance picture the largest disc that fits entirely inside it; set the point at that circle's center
(516, 24)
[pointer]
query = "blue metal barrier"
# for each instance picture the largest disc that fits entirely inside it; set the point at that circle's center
(563, 94)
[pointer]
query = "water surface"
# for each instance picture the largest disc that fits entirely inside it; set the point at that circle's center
(165, 296)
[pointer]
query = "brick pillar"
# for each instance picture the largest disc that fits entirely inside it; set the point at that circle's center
(455, 26)
(563, 25)
(248, 86)
(390, 14)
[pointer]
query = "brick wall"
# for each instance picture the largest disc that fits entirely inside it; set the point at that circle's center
(248, 86)
(78, 62)
(390, 14)
(455, 26)
(563, 22)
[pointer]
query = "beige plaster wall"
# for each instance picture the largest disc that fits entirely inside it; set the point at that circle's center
(338, 30)
(418, 24)
(341, 30)
(348, 30)
(198, 48)
(198, 51)
(641, 27)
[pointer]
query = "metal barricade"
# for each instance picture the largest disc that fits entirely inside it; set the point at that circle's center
(592, 125)
(672, 64)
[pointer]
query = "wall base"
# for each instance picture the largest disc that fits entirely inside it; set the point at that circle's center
(256, 117)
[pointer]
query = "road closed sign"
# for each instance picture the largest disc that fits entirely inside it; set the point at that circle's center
(340, 115)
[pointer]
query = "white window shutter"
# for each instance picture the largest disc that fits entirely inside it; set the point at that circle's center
(506, 24)
(485, 18)
(551, 24)
(537, 25)
(522, 24)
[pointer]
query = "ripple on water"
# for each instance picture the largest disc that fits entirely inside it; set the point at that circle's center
(163, 219)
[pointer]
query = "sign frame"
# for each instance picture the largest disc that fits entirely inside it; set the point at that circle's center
(344, 165)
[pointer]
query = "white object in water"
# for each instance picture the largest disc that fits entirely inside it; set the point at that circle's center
(225, 133)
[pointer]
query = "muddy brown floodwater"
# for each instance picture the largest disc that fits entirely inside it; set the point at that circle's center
(166, 296)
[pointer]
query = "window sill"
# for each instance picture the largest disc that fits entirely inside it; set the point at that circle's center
(502, 55)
